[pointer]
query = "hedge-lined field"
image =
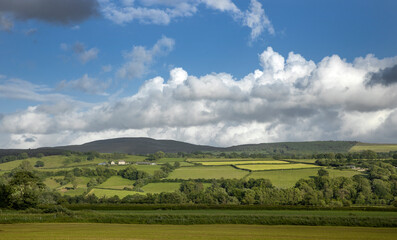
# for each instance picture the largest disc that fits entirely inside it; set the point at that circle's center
(288, 178)
(262, 167)
(241, 162)
(208, 172)
(373, 147)
(116, 182)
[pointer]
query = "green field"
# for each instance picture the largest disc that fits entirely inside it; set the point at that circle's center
(288, 178)
(161, 187)
(240, 162)
(57, 231)
(262, 167)
(215, 172)
(170, 160)
(301, 160)
(227, 159)
(374, 147)
(110, 192)
(116, 182)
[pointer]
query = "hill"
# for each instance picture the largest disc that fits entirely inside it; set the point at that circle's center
(296, 147)
(138, 146)
(149, 145)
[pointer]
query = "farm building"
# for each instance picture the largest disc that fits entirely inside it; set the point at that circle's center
(122, 162)
(102, 164)
(112, 163)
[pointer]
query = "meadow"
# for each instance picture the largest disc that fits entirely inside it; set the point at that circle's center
(240, 162)
(59, 231)
(288, 178)
(116, 182)
(263, 167)
(209, 172)
(373, 147)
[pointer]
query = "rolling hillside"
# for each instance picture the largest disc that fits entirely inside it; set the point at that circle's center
(138, 146)
(149, 145)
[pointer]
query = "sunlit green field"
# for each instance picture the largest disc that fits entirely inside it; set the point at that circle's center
(262, 167)
(161, 187)
(301, 160)
(288, 178)
(59, 231)
(374, 147)
(215, 172)
(227, 159)
(110, 192)
(240, 162)
(116, 182)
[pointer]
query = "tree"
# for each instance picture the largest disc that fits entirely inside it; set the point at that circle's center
(39, 164)
(323, 173)
(25, 190)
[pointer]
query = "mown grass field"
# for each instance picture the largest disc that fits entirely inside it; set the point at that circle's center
(301, 160)
(240, 162)
(227, 159)
(208, 172)
(374, 147)
(110, 192)
(55, 231)
(161, 187)
(288, 178)
(116, 182)
(263, 167)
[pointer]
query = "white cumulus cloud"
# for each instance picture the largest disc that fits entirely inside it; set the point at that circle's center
(289, 98)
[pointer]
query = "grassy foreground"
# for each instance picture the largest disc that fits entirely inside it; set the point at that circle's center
(129, 231)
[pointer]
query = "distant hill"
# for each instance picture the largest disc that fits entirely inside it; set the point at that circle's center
(138, 146)
(296, 147)
(149, 145)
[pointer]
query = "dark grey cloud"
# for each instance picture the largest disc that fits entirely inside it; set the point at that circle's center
(54, 11)
(386, 77)
(30, 139)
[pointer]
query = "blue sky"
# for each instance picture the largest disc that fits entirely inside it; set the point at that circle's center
(71, 76)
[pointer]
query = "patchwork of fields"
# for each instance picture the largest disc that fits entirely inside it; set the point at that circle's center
(282, 173)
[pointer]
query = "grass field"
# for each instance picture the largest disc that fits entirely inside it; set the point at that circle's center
(161, 187)
(263, 167)
(301, 160)
(170, 160)
(227, 159)
(374, 147)
(57, 231)
(116, 182)
(110, 192)
(240, 162)
(215, 172)
(288, 178)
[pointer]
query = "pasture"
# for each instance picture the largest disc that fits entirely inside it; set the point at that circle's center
(208, 172)
(225, 163)
(374, 147)
(116, 182)
(55, 231)
(263, 167)
(288, 178)
(227, 159)
(161, 187)
(110, 192)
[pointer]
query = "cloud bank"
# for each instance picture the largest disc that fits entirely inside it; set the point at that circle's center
(54, 11)
(287, 99)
